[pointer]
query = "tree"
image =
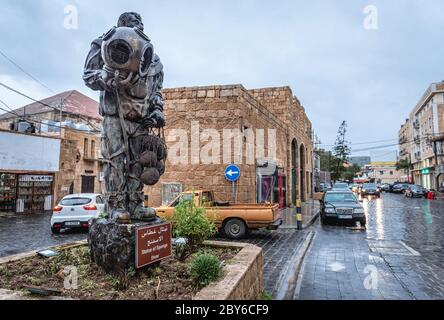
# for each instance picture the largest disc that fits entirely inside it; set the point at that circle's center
(328, 160)
(341, 151)
(404, 164)
(351, 172)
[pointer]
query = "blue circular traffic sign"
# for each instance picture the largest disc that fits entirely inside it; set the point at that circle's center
(232, 173)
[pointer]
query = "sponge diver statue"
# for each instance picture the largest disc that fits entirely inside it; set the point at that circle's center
(122, 65)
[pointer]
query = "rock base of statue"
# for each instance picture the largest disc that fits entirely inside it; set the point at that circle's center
(113, 245)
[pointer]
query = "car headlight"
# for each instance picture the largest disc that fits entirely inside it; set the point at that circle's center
(363, 190)
(360, 211)
(330, 210)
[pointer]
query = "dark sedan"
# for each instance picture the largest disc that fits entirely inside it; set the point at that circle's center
(415, 191)
(370, 189)
(341, 206)
(400, 188)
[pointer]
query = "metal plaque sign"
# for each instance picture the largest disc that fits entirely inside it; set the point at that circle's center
(153, 244)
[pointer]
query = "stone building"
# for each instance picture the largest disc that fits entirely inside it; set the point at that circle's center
(80, 170)
(417, 135)
(70, 165)
(266, 132)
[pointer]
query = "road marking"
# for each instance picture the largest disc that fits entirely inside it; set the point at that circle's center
(412, 251)
(337, 267)
(391, 248)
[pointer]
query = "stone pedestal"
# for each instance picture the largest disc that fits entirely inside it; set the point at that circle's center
(113, 245)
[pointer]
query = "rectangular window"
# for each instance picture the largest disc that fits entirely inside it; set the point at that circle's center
(85, 148)
(93, 149)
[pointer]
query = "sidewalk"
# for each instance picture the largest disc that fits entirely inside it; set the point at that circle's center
(8, 214)
(310, 211)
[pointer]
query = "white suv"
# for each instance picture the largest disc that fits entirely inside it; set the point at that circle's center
(75, 211)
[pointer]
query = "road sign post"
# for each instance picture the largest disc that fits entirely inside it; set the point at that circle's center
(232, 174)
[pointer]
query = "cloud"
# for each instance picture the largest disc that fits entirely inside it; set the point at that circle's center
(338, 70)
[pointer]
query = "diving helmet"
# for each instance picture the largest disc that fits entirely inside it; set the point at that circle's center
(127, 50)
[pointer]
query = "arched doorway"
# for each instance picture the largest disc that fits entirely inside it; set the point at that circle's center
(294, 166)
(302, 171)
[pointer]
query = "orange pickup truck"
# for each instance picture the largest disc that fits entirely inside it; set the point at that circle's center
(234, 219)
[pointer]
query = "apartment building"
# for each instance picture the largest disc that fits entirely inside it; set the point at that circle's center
(417, 135)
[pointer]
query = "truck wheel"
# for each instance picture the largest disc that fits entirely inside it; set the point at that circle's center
(235, 229)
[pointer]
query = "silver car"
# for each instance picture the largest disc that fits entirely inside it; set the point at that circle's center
(75, 211)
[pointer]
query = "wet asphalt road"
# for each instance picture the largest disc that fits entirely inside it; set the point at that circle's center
(399, 256)
(32, 232)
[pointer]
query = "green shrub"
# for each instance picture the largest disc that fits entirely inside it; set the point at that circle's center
(192, 223)
(266, 296)
(204, 269)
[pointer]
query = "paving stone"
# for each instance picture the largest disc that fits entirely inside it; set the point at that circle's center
(339, 256)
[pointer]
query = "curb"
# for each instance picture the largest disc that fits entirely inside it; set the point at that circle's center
(297, 288)
(312, 220)
(287, 283)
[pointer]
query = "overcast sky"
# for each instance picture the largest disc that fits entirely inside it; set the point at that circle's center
(320, 48)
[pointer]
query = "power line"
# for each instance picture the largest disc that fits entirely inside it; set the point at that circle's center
(28, 97)
(25, 72)
(59, 109)
(361, 143)
(45, 123)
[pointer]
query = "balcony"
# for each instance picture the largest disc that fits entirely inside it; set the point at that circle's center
(417, 140)
(402, 140)
(416, 124)
(418, 156)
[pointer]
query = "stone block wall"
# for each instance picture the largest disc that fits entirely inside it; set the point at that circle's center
(74, 163)
(218, 108)
(281, 102)
(243, 275)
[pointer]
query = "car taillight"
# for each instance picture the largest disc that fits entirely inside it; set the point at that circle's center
(90, 207)
(57, 208)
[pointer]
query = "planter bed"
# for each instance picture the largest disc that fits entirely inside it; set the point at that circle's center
(169, 280)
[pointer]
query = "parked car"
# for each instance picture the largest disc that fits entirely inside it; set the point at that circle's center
(75, 211)
(385, 187)
(355, 187)
(323, 187)
(234, 219)
(341, 206)
(416, 191)
(400, 188)
(370, 189)
(340, 186)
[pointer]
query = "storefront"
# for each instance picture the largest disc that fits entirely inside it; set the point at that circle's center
(27, 167)
(271, 184)
(26, 193)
